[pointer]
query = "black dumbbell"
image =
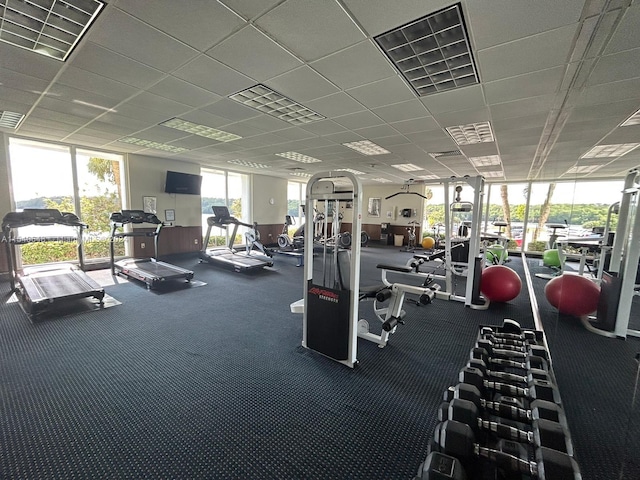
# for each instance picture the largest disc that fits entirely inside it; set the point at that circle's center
(438, 466)
(499, 341)
(544, 433)
(534, 373)
(522, 363)
(510, 351)
(457, 439)
(512, 410)
(527, 336)
(535, 389)
(510, 326)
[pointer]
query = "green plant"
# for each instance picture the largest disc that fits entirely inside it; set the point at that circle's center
(537, 246)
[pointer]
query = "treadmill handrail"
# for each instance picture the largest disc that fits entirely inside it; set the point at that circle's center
(41, 216)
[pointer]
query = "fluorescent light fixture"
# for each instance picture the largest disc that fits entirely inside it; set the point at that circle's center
(449, 153)
(427, 177)
(10, 119)
(471, 133)
(298, 157)
(300, 174)
(366, 147)
(583, 168)
(245, 163)
(267, 101)
(48, 27)
(381, 180)
(494, 174)
(201, 130)
(154, 145)
(634, 119)
(432, 53)
(614, 150)
(485, 161)
(350, 170)
(407, 167)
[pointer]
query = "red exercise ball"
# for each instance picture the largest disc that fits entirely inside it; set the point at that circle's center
(573, 294)
(500, 283)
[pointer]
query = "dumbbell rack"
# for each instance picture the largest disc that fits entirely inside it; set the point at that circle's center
(504, 419)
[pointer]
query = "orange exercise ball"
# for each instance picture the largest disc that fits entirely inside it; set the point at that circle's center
(428, 243)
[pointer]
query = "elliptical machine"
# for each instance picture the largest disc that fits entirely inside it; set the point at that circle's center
(293, 243)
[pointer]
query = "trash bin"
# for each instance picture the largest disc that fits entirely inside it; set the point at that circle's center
(399, 240)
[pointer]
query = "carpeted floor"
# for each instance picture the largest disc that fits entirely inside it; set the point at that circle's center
(211, 382)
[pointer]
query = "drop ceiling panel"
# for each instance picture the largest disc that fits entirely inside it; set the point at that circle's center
(629, 134)
(516, 108)
(249, 9)
(254, 54)
(611, 92)
(621, 109)
(123, 121)
(207, 73)
(124, 34)
(81, 113)
(499, 21)
(167, 107)
(91, 82)
(339, 67)
(25, 62)
(626, 35)
(301, 85)
(464, 117)
(378, 131)
(358, 120)
(329, 30)
(22, 82)
(265, 123)
(383, 92)
(131, 110)
(616, 67)
(461, 99)
(68, 94)
(17, 96)
(524, 86)
(526, 55)
(294, 133)
(402, 111)
(513, 124)
(335, 105)
(323, 127)
(201, 26)
(183, 92)
(415, 125)
(99, 60)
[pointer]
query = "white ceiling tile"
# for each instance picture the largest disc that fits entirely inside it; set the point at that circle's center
(254, 54)
(135, 111)
(524, 86)
(616, 67)
(454, 100)
(525, 55)
(249, 9)
(68, 94)
(415, 125)
(20, 81)
(327, 30)
(213, 76)
(518, 123)
(611, 92)
(124, 34)
(323, 127)
(17, 96)
(335, 105)
(358, 120)
(463, 117)
(375, 132)
(92, 82)
(626, 36)
(402, 111)
(383, 92)
(294, 133)
(302, 84)
(516, 108)
(498, 21)
(234, 111)
(183, 92)
(101, 61)
(362, 63)
(159, 104)
(28, 63)
(202, 25)
(266, 123)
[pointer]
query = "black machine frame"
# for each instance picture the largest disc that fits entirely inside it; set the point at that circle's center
(148, 270)
(39, 287)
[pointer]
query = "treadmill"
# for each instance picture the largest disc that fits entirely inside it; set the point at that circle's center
(39, 287)
(152, 272)
(238, 260)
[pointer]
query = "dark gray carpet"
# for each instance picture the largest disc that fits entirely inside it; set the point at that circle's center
(212, 382)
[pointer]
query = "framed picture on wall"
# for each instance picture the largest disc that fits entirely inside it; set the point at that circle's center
(149, 204)
(170, 215)
(374, 206)
(349, 204)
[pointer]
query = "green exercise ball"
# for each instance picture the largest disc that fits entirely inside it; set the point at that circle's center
(551, 258)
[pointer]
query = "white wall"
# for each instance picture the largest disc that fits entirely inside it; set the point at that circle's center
(5, 198)
(146, 178)
(391, 207)
(264, 189)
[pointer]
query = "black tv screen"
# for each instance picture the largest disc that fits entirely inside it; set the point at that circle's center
(185, 183)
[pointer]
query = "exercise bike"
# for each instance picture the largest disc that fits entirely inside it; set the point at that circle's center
(411, 231)
(285, 241)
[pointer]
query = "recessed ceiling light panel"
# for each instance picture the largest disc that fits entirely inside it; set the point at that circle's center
(381, 180)
(48, 27)
(151, 144)
(267, 101)
(298, 157)
(449, 153)
(433, 52)
(485, 161)
(245, 163)
(471, 133)
(634, 119)
(366, 147)
(407, 167)
(494, 174)
(200, 130)
(614, 150)
(583, 168)
(350, 170)
(300, 174)
(10, 119)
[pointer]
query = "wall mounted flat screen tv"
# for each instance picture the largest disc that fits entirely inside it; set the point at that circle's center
(186, 183)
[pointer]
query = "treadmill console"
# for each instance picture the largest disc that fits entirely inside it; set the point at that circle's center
(221, 212)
